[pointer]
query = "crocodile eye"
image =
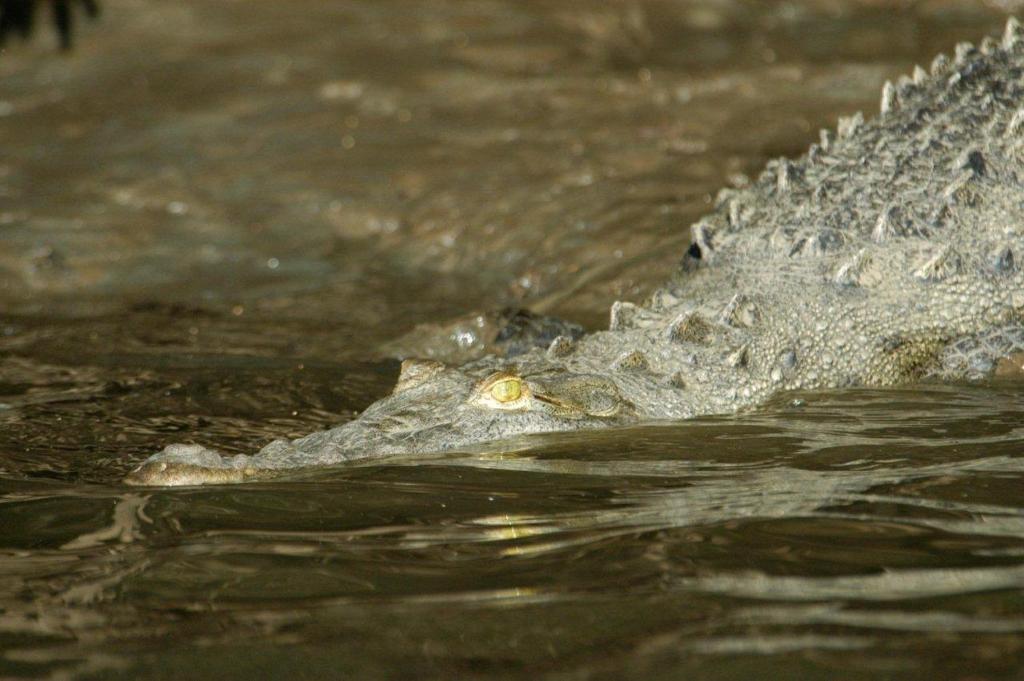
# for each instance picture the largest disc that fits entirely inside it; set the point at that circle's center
(502, 390)
(507, 390)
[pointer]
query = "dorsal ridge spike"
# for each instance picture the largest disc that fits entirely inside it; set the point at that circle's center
(740, 312)
(561, 346)
(848, 125)
(885, 226)
(622, 316)
(890, 99)
(943, 264)
(972, 161)
(787, 175)
(1013, 35)
(849, 273)
(735, 213)
(631, 360)
(825, 137)
(1001, 259)
(920, 76)
(738, 358)
(703, 237)
(813, 154)
(626, 315)
(962, 52)
(962, 189)
(690, 328)
(1016, 123)
(940, 65)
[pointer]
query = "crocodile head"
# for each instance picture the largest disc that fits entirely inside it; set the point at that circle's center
(433, 408)
(436, 408)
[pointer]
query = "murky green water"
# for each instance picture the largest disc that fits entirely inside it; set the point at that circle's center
(214, 215)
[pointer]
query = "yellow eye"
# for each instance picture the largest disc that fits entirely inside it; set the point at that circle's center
(508, 390)
(503, 390)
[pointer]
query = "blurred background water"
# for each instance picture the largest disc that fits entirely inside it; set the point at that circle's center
(216, 216)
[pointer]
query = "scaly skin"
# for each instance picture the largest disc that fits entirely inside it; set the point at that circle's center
(888, 253)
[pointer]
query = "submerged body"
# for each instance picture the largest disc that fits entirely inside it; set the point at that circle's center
(886, 254)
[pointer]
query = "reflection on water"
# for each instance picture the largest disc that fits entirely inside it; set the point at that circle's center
(214, 217)
(868, 531)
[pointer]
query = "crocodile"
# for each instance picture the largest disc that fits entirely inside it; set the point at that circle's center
(887, 254)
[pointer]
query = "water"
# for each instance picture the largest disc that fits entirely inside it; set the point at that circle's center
(214, 216)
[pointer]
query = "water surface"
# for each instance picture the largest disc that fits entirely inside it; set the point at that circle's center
(214, 216)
